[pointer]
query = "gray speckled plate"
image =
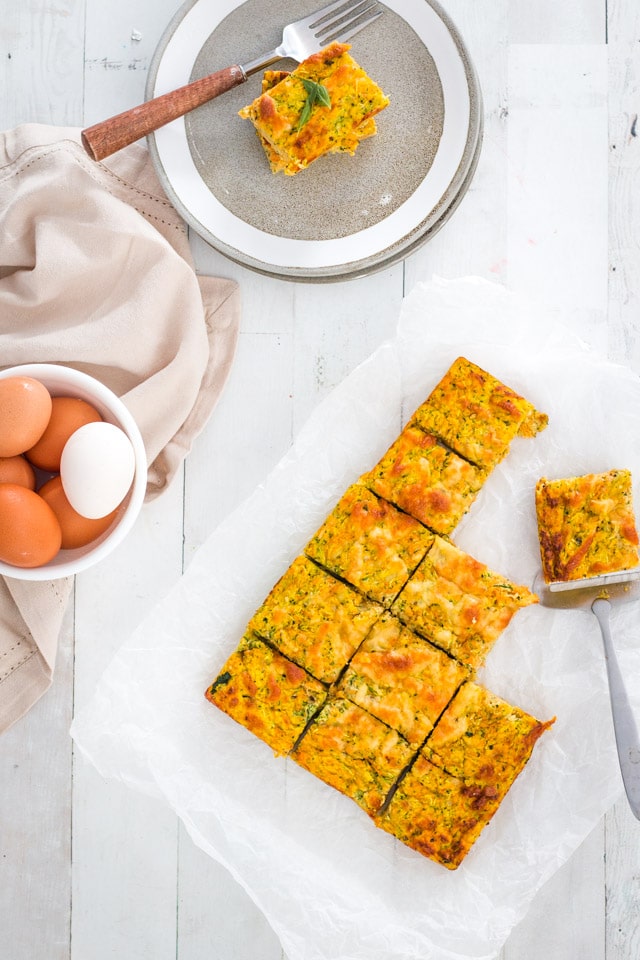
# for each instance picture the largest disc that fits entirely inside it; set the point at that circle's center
(342, 216)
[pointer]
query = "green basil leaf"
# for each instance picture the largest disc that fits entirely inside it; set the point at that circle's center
(315, 92)
(304, 116)
(322, 95)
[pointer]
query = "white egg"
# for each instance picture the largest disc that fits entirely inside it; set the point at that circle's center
(97, 468)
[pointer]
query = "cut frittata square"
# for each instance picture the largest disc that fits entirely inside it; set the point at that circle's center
(315, 619)
(482, 737)
(371, 544)
(586, 525)
(458, 603)
(354, 752)
(437, 814)
(476, 415)
(299, 129)
(266, 693)
(402, 679)
(426, 479)
(278, 163)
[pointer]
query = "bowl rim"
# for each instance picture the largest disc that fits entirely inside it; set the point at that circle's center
(110, 404)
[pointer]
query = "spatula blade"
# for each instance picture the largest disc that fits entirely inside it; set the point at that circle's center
(622, 587)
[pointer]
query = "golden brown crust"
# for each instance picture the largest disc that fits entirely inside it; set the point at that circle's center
(426, 480)
(266, 693)
(476, 414)
(586, 525)
(482, 737)
(458, 603)
(336, 128)
(402, 679)
(369, 543)
(438, 815)
(353, 752)
(376, 696)
(314, 619)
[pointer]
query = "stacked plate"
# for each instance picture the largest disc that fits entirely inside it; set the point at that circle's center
(343, 216)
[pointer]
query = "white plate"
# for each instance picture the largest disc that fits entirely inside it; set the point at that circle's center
(343, 216)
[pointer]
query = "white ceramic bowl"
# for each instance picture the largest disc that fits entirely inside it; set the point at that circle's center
(64, 381)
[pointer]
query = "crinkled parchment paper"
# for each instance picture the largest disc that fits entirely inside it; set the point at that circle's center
(332, 885)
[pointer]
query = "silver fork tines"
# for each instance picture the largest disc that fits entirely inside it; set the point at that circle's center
(356, 26)
(348, 23)
(342, 19)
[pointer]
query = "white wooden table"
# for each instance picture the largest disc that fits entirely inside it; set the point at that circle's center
(90, 870)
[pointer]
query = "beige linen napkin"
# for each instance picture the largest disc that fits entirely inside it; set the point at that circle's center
(96, 273)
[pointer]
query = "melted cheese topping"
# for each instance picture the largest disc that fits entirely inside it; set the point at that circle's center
(482, 737)
(459, 603)
(370, 543)
(438, 815)
(401, 679)
(477, 415)
(279, 163)
(314, 619)
(426, 480)
(266, 693)
(355, 100)
(353, 752)
(586, 525)
(428, 753)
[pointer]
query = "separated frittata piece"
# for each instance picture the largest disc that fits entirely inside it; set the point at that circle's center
(277, 163)
(458, 603)
(369, 543)
(314, 619)
(482, 737)
(323, 106)
(477, 415)
(426, 480)
(438, 815)
(266, 693)
(402, 679)
(354, 752)
(586, 525)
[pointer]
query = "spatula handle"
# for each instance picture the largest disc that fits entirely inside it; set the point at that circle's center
(624, 724)
(109, 136)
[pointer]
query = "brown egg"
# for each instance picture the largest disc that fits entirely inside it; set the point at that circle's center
(25, 408)
(17, 470)
(67, 414)
(30, 534)
(77, 531)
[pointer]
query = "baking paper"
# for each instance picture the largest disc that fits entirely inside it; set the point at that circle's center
(332, 885)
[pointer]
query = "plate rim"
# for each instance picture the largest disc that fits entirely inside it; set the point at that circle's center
(404, 246)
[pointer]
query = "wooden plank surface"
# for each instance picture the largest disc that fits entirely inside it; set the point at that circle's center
(91, 870)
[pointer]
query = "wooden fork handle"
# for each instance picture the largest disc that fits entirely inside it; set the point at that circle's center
(109, 136)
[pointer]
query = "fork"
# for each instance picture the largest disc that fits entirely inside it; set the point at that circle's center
(337, 21)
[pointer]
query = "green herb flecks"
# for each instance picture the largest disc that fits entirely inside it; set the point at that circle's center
(221, 681)
(316, 93)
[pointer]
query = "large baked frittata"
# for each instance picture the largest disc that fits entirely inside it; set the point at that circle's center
(360, 663)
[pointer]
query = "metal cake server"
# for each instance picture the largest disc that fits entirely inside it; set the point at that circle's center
(599, 594)
(337, 21)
